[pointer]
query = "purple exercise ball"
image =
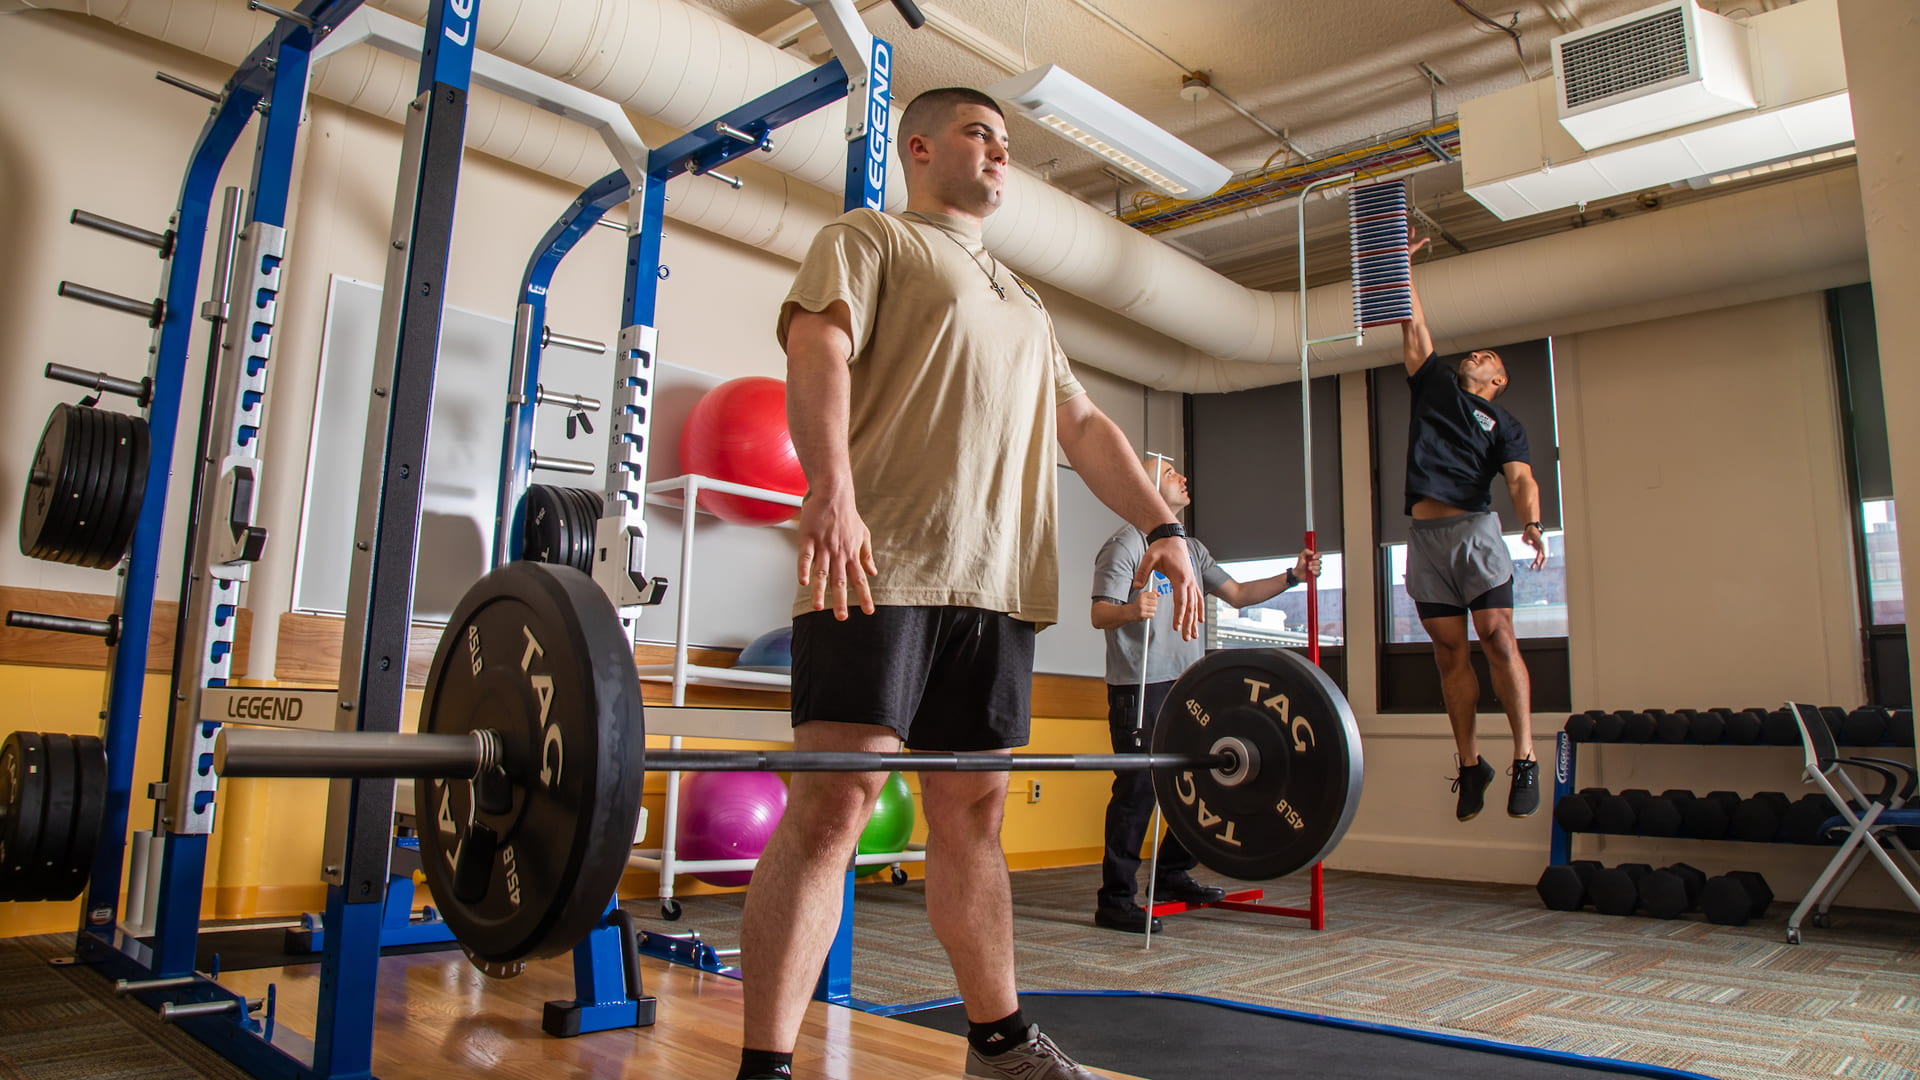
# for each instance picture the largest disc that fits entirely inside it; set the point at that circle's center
(728, 815)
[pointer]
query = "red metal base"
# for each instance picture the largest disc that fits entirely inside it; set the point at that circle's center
(1315, 912)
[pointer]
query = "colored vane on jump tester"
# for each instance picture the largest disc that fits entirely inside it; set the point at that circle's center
(1382, 267)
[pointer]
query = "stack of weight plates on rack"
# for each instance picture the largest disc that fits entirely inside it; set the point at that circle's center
(84, 491)
(560, 524)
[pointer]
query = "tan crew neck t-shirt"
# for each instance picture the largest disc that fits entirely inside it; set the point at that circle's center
(951, 428)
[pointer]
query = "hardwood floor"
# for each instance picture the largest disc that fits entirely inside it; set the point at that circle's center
(439, 1019)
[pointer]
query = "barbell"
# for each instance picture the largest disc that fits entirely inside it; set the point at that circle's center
(531, 756)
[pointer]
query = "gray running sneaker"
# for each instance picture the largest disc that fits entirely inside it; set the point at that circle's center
(1035, 1059)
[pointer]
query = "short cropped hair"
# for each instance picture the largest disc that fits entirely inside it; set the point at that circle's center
(935, 107)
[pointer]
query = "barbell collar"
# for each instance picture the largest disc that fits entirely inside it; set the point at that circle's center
(352, 755)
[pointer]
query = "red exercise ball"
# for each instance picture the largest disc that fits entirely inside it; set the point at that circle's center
(738, 432)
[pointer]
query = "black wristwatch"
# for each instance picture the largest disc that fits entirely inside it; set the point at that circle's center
(1533, 525)
(1171, 528)
(1292, 579)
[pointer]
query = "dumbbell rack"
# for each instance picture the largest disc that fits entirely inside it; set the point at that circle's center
(1566, 762)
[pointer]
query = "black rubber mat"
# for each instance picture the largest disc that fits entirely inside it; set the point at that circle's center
(1172, 1037)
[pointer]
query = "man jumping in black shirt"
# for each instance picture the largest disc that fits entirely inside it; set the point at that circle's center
(1458, 440)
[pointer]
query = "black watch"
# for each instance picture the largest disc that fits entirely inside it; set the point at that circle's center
(1533, 525)
(1171, 528)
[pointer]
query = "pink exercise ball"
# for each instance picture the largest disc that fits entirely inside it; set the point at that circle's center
(728, 815)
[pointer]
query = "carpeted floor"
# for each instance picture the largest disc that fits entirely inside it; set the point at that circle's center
(1484, 960)
(63, 1023)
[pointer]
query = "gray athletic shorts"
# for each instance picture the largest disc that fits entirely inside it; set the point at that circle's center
(1453, 560)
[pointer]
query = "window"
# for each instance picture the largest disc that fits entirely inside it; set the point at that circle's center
(1539, 596)
(1280, 622)
(1863, 424)
(1886, 603)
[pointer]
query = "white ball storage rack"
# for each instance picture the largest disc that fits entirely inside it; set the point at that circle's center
(677, 720)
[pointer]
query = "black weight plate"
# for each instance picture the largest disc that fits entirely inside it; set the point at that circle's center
(96, 468)
(541, 540)
(536, 653)
(569, 551)
(141, 449)
(589, 528)
(577, 538)
(56, 817)
(89, 813)
(119, 459)
(46, 517)
(23, 801)
(1301, 798)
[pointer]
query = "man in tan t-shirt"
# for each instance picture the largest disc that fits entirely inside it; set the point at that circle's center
(926, 394)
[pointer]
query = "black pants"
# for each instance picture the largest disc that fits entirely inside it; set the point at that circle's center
(1131, 807)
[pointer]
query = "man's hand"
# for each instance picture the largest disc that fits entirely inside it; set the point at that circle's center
(1307, 566)
(1146, 605)
(835, 549)
(1536, 540)
(1171, 556)
(1415, 241)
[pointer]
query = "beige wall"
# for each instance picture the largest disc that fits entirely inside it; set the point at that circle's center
(1709, 563)
(1709, 560)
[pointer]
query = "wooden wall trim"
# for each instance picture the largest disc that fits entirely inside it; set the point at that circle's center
(309, 654)
(39, 648)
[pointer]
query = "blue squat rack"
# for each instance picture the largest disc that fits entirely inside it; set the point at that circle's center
(363, 893)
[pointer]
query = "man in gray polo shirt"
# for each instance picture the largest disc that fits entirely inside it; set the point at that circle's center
(1125, 614)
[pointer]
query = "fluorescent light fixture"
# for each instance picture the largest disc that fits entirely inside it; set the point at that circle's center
(1772, 167)
(1080, 114)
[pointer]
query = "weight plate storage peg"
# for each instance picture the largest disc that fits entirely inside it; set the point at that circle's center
(1293, 791)
(523, 859)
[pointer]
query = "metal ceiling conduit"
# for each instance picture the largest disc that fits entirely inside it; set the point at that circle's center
(1182, 326)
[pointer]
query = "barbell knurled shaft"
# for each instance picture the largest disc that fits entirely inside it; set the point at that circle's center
(806, 761)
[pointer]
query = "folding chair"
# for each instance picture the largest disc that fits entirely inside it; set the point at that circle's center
(1869, 824)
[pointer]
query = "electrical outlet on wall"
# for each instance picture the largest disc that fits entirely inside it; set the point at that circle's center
(1033, 791)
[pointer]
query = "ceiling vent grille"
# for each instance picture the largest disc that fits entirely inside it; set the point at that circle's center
(1639, 54)
(1651, 71)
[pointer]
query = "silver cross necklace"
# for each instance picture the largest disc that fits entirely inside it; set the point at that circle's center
(993, 275)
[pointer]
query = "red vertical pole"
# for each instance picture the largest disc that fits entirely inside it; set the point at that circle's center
(1317, 904)
(1313, 609)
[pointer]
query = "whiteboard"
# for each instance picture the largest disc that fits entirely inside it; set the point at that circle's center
(1073, 646)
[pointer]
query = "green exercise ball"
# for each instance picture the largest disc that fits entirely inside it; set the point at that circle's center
(891, 825)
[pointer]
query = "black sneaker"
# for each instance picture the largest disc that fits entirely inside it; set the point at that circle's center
(1471, 785)
(1185, 890)
(1131, 919)
(1523, 798)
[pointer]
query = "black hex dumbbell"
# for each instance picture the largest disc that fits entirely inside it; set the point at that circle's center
(1778, 729)
(1564, 888)
(1579, 727)
(1574, 812)
(1709, 816)
(1660, 815)
(1616, 889)
(1704, 728)
(1801, 823)
(1735, 899)
(1636, 727)
(1758, 818)
(1607, 726)
(1744, 728)
(1865, 726)
(1669, 727)
(1612, 814)
(1900, 728)
(1663, 894)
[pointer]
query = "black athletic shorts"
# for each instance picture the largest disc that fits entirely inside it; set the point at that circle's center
(942, 678)
(1500, 596)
